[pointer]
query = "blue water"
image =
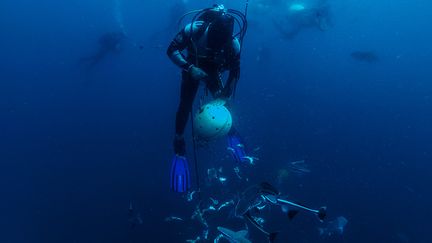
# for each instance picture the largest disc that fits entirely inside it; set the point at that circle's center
(76, 147)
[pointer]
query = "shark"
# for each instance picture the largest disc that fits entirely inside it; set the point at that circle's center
(234, 237)
(365, 56)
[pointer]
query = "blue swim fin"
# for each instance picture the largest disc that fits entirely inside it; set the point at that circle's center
(180, 176)
(237, 149)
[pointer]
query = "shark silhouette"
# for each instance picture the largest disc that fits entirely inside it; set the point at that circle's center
(234, 237)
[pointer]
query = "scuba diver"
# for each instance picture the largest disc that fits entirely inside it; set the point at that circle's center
(108, 43)
(297, 16)
(212, 48)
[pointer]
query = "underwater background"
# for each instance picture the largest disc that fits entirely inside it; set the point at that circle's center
(78, 146)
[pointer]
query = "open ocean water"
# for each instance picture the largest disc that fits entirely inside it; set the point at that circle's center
(86, 131)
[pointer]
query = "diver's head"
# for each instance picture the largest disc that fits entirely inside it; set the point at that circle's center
(208, 15)
(220, 31)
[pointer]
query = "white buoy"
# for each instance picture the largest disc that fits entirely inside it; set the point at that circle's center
(212, 121)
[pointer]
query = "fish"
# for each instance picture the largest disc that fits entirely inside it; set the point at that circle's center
(334, 227)
(365, 56)
(234, 237)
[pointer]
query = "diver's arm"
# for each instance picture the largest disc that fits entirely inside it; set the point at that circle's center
(181, 42)
(175, 49)
(234, 70)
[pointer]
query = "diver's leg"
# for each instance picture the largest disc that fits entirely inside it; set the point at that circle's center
(235, 142)
(237, 148)
(96, 58)
(188, 92)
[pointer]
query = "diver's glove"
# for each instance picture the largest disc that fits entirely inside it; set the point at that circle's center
(179, 145)
(196, 73)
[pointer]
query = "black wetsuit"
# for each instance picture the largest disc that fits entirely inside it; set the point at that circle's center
(213, 62)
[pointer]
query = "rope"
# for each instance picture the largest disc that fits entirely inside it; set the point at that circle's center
(195, 159)
(246, 8)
